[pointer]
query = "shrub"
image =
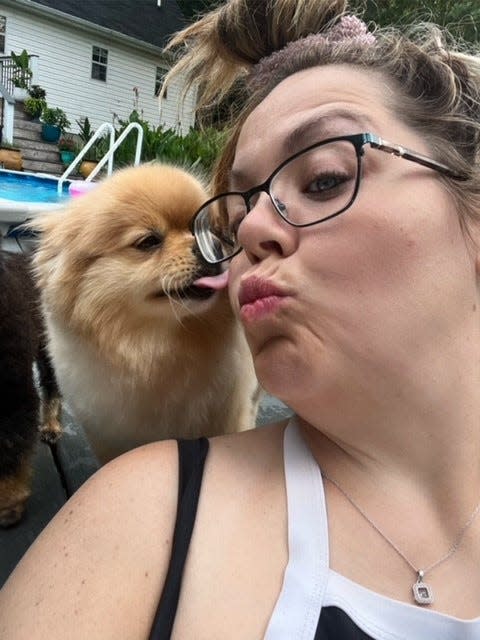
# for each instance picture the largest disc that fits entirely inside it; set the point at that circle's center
(196, 149)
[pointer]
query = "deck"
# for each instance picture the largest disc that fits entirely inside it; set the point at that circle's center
(59, 470)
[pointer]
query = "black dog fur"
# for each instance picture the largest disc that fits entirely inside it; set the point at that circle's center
(22, 342)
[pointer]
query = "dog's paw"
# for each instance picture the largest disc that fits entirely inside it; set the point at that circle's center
(50, 427)
(12, 503)
(50, 432)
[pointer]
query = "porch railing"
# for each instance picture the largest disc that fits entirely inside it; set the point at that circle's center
(10, 73)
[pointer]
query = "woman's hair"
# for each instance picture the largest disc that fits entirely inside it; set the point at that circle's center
(252, 45)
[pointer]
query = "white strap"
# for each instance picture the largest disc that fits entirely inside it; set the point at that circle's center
(297, 611)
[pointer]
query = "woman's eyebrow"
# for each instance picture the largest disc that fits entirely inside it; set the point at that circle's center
(316, 128)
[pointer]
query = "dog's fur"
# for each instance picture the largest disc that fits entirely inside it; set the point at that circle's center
(140, 353)
(21, 343)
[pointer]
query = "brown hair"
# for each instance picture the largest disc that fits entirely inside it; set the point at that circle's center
(436, 86)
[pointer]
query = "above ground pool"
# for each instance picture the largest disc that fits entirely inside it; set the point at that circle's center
(23, 194)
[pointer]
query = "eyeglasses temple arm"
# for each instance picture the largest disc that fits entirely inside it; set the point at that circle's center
(401, 152)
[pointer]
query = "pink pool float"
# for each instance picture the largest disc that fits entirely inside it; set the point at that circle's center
(79, 187)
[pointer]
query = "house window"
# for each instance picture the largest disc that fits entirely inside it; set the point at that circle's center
(3, 24)
(160, 74)
(99, 63)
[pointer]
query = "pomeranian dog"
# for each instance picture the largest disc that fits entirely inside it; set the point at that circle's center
(141, 351)
(21, 410)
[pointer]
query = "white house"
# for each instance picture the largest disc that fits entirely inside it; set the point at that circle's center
(98, 58)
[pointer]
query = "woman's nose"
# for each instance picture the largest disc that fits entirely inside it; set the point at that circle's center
(263, 231)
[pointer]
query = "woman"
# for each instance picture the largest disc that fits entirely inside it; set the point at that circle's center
(356, 275)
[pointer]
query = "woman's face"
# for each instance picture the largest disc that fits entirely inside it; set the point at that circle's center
(364, 300)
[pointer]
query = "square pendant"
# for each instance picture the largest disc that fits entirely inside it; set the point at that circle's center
(422, 593)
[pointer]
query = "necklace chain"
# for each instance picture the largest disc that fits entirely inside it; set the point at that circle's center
(420, 572)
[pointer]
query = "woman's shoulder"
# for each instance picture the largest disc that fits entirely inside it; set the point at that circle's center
(108, 548)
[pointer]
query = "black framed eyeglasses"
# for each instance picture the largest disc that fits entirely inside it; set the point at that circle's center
(312, 186)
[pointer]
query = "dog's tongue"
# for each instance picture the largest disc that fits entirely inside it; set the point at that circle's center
(213, 282)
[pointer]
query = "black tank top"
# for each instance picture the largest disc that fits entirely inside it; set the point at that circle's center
(191, 461)
(333, 624)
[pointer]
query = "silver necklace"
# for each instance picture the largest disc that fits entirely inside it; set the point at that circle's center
(422, 592)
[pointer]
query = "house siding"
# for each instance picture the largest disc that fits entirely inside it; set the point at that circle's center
(64, 71)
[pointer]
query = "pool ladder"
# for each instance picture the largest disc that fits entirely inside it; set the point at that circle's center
(108, 157)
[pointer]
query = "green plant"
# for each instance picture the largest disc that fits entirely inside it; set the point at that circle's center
(85, 132)
(67, 143)
(36, 91)
(195, 149)
(22, 72)
(55, 117)
(34, 106)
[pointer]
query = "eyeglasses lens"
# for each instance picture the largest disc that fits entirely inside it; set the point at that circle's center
(314, 185)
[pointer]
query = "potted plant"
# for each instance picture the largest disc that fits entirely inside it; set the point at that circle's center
(68, 149)
(55, 122)
(11, 157)
(21, 74)
(36, 91)
(90, 159)
(35, 103)
(33, 107)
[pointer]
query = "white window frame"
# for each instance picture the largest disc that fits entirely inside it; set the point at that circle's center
(99, 63)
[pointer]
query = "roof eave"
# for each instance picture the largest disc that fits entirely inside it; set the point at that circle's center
(67, 18)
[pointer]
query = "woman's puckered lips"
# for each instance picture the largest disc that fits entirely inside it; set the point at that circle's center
(255, 289)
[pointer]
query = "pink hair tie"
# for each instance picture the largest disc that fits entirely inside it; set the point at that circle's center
(347, 29)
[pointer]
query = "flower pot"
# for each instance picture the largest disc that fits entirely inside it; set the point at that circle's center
(20, 94)
(86, 168)
(11, 159)
(67, 157)
(51, 133)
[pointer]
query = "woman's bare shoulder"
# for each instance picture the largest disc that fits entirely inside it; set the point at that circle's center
(98, 568)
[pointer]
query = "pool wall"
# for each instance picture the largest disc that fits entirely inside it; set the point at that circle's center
(14, 211)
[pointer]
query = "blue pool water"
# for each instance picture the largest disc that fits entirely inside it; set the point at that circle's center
(25, 187)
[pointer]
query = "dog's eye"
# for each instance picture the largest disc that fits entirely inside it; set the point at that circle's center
(152, 241)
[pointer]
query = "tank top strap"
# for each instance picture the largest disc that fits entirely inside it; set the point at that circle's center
(298, 607)
(191, 461)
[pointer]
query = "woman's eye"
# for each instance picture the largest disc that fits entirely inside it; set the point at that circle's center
(152, 241)
(326, 183)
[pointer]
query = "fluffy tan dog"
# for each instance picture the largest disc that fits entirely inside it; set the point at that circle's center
(141, 352)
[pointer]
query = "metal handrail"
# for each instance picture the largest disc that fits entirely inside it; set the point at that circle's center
(108, 157)
(99, 132)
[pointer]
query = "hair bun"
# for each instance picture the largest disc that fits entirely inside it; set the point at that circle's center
(226, 43)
